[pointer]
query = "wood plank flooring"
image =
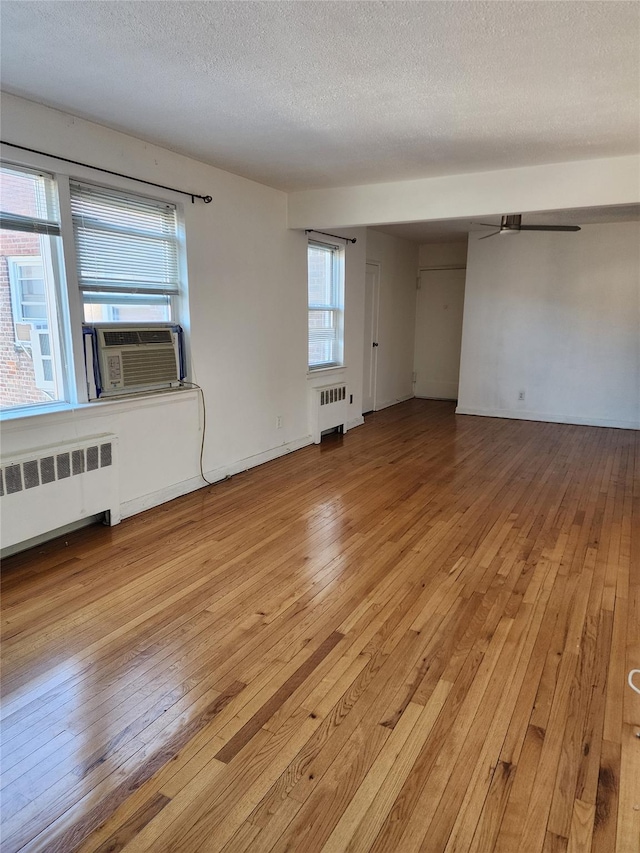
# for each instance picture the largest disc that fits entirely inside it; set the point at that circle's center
(412, 638)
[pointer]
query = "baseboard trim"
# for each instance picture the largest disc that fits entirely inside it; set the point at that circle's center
(177, 490)
(388, 403)
(10, 550)
(544, 417)
(356, 422)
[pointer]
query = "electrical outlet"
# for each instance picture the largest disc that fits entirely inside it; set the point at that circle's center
(521, 395)
(279, 422)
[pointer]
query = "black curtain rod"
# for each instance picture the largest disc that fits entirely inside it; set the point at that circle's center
(205, 198)
(335, 236)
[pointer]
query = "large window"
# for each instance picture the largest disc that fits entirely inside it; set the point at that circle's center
(127, 255)
(127, 269)
(326, 311)
(32, 362)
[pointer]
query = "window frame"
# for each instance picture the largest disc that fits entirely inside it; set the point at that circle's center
(69, 308)
(335, 307)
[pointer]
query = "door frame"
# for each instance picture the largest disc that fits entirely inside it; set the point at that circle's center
(370, 339)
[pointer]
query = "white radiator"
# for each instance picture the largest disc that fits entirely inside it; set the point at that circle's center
(330, 409)
(50, 487)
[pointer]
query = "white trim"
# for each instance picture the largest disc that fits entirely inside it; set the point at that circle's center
(319, 370)
(356, 422)
(375, 332)
(136, 505)
(49, 535)
(389, 403)
(547, 418)
(67, 413)
(72, 309)
(443, 267)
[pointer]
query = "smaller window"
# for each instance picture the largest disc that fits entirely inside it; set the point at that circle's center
(326, 311)
(28, 292)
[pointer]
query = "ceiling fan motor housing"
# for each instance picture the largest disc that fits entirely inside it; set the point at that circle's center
(512, 222)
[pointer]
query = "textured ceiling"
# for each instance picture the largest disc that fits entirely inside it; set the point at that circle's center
(319, 94)
(456, 230)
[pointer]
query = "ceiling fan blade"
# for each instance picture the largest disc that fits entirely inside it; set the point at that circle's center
(550, 228)
(488, 235)
(487, 224)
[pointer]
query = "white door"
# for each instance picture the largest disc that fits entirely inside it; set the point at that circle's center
(371, 298)
(439, 307)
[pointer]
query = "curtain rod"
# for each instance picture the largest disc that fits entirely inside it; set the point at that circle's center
(335, 236)
(205, 198)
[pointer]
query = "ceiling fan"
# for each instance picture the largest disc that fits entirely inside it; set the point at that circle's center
(512, 224)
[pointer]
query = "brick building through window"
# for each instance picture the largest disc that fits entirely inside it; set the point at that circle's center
(21, 295)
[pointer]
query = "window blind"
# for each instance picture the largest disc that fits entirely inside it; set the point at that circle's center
(124, 244)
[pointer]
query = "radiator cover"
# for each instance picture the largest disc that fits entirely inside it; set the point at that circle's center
(49, 487)
(329, 409)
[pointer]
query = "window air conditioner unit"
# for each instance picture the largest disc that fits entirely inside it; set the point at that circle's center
(125, 359)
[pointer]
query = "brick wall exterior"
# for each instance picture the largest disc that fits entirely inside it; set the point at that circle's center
(17, 378)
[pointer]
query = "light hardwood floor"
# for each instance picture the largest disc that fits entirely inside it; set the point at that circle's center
(413, 638)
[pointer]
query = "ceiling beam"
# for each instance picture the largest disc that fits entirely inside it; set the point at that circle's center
(557, 186)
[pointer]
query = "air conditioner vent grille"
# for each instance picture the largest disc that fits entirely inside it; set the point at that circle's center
(155, 336)
(129, 337)
(148, 366)
(120, 338)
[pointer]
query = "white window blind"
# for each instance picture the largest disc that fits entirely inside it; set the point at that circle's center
(124, 244)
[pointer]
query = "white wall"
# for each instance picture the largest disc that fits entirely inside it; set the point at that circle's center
(443, 254)
(247, 277)
(398, 261)
(439, 311)
(558, 317)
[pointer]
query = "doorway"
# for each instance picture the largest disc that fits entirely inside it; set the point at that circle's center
(439, 308)
(371, 307)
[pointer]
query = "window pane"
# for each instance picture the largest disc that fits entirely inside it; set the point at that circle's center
(321, 277)
(32, 289)
(27, 194)
(121, 308)
(34, 312)
(31, 271)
